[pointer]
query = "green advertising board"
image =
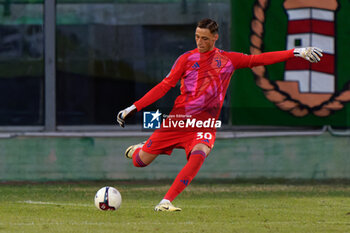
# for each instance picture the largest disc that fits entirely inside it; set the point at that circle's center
(292, 93)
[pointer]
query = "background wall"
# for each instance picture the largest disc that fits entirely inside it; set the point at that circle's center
(85, 158)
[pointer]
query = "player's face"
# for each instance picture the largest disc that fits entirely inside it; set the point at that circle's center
(205, 40)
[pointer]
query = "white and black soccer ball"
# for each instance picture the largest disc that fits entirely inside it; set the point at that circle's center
(108, 198)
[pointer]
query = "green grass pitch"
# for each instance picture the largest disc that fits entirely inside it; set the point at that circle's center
(206, 207)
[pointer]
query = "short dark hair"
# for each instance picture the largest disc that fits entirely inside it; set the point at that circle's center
(209, 24)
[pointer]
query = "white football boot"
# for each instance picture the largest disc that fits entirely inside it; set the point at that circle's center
(131, 149)
(166, 206)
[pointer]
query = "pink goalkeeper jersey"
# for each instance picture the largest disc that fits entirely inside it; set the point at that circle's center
(205, 78)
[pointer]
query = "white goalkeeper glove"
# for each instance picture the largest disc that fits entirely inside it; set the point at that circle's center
(126, 113)
(312, 54)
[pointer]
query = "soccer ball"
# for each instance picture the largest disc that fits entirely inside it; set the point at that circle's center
(108, 198)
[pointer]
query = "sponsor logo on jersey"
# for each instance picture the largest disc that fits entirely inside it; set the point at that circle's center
(195, 66)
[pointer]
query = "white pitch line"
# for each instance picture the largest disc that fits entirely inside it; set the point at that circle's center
(52, 203)
(86, 205)
(64, 204)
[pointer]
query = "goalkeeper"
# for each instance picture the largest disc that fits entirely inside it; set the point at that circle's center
(205, 74)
